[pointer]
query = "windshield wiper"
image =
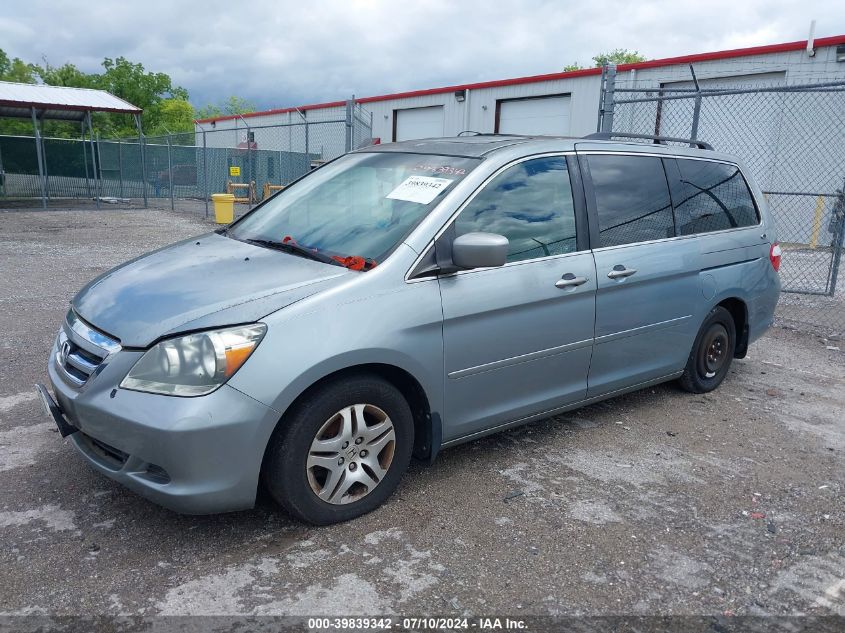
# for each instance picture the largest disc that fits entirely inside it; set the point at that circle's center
(295, 249)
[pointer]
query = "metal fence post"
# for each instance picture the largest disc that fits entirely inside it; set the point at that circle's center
(600, 107)
(305, 121)
(141, 148)
(607, 102)
(93, 158)
(250, 175)
(170, 172)
(100, 164)
(85, 161)
(143, 144)
(40, 157)
(349, 103)
(205, 172)
(290, 150)
(120, 166)
(838, 242)
(696, 111)
(46, 170)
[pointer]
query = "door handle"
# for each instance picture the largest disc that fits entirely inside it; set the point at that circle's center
(620, 272)
(570, 281)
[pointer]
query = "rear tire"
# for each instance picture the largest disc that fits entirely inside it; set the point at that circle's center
(712, 353)
(341, 450)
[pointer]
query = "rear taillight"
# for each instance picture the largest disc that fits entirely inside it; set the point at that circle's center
(774, 256)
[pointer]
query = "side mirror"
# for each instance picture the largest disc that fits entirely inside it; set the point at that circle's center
(479, 250)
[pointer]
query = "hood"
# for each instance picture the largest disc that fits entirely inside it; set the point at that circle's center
(207, 281)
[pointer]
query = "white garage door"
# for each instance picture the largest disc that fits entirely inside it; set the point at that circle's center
(545, 115)
(414, 123)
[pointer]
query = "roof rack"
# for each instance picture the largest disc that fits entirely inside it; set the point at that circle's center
(658, 140)
(474, 133)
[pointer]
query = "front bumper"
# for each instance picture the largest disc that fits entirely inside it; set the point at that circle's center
(192, 455)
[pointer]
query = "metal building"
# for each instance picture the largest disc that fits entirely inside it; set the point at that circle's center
(563, 103)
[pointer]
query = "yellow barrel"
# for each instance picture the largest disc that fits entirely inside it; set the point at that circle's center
(224, 207)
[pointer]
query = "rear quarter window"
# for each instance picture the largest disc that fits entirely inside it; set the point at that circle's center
(712, 197)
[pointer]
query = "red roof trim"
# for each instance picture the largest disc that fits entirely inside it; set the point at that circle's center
(737, 52)
(654, 63)
(484, 84)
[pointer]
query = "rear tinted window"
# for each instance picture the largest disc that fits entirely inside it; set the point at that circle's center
(632, 199)
(713, 197)
(531, 205)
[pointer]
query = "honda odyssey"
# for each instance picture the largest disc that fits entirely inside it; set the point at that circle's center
(405, 298)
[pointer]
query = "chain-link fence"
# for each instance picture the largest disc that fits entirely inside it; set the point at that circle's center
(250, 161)
(792, 138)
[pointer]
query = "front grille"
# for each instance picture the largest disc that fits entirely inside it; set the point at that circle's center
(81, 349)
(78, 363)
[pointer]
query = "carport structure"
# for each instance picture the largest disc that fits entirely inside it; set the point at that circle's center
(40, 102)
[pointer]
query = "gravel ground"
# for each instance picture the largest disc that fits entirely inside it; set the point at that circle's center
(658, 502)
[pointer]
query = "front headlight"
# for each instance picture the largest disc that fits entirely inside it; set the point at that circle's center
(196, 364)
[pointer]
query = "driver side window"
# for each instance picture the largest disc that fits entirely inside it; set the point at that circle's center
(531, 204)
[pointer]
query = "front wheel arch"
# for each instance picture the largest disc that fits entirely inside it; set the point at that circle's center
(332, 482)
(426, 424)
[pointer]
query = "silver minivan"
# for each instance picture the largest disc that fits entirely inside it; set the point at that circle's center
(404, 298)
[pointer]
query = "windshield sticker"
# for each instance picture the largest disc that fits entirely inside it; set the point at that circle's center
(419, 189)
(443, 169)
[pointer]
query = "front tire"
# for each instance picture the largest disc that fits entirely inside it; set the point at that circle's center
(712, 353)
(341, 450)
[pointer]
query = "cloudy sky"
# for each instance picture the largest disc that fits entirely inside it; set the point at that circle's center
(279, 53)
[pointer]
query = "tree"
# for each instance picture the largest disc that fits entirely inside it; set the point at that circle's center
(232, 105)
(208, 111)
(131, 82)
(618, 56)
(65, 75)
(19, 71)
(16, 69)
(174, 115)
(237, 105)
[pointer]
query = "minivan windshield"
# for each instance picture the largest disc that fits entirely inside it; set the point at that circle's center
(356, 209)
